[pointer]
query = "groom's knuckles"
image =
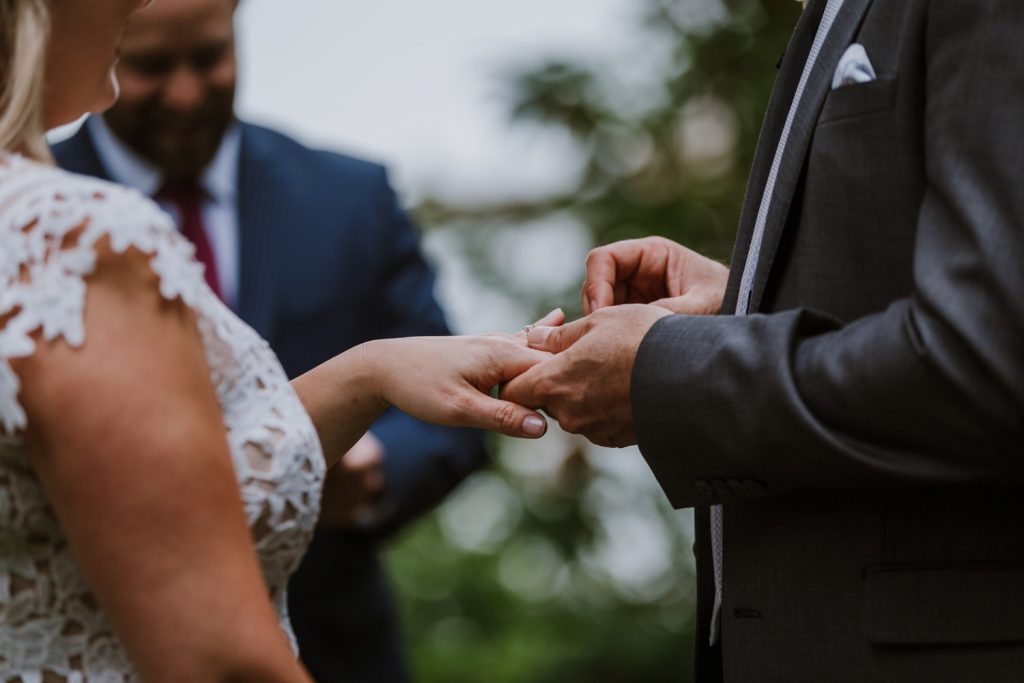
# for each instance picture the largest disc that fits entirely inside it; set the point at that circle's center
(540, 387)
(601, 263)
(580, 416)
(569, 421)
(686, 305)
(522, 391)
(514, 390)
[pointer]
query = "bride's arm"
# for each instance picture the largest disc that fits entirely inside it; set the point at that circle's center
(444, 380)
(128, 440)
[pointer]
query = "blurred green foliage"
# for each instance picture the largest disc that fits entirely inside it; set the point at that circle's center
(507, 582)
(562, 563)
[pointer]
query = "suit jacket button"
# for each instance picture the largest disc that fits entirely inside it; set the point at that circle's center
(721, 487)
(703, 488)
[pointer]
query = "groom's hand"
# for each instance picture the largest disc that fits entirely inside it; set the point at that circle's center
(585, 386)
(653, 270)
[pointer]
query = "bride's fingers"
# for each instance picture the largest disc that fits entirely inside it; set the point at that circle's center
(553, 319)
(514, 364)
(504, 417)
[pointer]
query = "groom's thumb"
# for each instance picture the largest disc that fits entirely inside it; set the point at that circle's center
(557, 339)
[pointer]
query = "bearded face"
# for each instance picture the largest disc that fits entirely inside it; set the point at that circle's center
(178, 74)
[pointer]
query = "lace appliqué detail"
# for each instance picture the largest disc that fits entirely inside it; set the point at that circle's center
(50, 222)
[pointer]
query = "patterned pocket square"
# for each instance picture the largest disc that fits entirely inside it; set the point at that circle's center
(854, 67)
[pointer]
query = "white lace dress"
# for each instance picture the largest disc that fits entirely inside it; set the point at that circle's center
(51, 629)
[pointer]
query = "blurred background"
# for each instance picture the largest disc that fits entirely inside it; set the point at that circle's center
(521, 135)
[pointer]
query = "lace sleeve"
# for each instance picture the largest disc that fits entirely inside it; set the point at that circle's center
(50, 224)
(55, 230)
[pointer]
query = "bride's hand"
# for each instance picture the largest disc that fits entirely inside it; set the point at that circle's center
(448, 380)
(445, 380)
(555, 318)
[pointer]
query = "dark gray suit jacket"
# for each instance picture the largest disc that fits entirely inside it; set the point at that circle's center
(865, 428)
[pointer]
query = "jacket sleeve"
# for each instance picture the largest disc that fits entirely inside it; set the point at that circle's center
(928, 392)
(422, 462)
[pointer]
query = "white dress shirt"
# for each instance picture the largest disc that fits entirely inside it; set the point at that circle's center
(219, 180)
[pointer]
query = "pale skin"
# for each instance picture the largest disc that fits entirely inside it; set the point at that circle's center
(354, 485)
(142, 481)
(629, 286)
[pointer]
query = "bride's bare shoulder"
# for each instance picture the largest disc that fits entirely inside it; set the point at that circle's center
(80, 257)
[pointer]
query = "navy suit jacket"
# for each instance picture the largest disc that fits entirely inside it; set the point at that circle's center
(328, 260)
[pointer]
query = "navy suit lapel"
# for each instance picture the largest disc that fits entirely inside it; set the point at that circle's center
(819, 82)
(261, 217)
(78, 154)
(262, 214)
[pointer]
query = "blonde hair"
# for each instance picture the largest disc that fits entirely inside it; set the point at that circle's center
(24, 30)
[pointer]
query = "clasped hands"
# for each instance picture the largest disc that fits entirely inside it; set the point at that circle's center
(578, 373)
(629, 286)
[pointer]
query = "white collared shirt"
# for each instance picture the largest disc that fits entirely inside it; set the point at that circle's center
(219, 180)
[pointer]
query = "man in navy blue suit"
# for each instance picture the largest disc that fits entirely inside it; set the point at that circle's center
(312, 250)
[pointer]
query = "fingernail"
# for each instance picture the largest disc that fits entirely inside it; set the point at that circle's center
(593, 304)
(539, 335)
(534, 426)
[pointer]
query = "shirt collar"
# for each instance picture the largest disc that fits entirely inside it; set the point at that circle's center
(122, 164)
(219, 178)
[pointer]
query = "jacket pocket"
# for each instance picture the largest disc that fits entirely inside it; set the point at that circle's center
(943, 604)
(861, 99)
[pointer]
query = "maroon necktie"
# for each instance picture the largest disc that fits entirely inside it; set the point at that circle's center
(187, 198)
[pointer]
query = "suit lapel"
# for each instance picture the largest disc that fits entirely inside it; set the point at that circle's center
(78, 154)
(794, 158)
(790, 71)
(790, 67)
(261, 217)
